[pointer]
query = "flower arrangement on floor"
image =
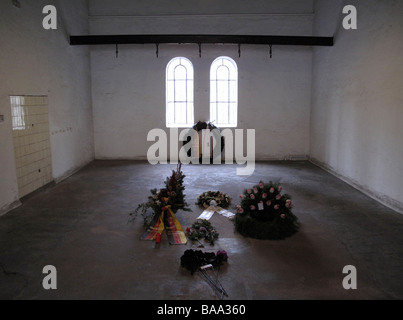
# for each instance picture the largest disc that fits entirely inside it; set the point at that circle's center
(192, 260)
(222, 200)
(172, 195)
(206, 125)
(207, 264)
(265, 213)
(164, 204)
(202, 229)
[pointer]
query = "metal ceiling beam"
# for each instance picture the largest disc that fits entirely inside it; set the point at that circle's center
(200, 39)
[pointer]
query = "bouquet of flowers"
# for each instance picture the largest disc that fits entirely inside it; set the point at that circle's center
(172, 195)
(206, 125)
(201, 262)
(223, 200)
(265, 213)
(192, 260)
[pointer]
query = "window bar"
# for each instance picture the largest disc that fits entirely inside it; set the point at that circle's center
(229, 94)
(186, 95)
(174, 104)
(216, 97)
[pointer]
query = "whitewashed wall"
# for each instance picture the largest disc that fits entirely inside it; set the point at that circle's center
(350, 125)
(357, 110)
(34, 61)
(128, 92)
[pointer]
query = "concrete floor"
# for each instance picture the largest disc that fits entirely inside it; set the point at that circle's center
(80, 226)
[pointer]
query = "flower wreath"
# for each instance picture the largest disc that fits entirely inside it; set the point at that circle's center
(265, 213)
(202, 229)
(223, 200)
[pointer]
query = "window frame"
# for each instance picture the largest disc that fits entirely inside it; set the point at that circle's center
(172, 108)
(232, 92)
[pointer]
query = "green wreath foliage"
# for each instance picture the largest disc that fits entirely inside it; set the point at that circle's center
(223, 200)
(265, 213)
(202, 229)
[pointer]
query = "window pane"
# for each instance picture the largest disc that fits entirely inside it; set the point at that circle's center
(180, 73)
(188, 66)
(233, 91)
(222, 113)
(180, 112)
(222, 73)
(233, 112)
(171, 68)
(170, 113)
(190, 93)
(180, 91)
(170, 91)
(213, 112)
(222, 91)
(213, 92)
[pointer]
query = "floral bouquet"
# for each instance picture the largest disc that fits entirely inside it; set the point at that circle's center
(222, 200)
(192, 260)
(201, 262)
(172, 195)
(265, 213)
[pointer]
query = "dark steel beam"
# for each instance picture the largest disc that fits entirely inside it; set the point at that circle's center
(201, 39)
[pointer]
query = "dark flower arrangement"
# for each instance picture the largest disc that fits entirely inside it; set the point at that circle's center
(265, 213)
(172, 194)
(202, 229)
(206, 125)
(192, 260)
(223, 200)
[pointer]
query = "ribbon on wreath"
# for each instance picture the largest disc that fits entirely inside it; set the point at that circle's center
(166, 220)
(213, 208)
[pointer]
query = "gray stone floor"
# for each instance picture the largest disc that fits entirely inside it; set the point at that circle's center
(81, 227)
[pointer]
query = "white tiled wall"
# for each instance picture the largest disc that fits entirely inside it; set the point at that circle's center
(31, 142)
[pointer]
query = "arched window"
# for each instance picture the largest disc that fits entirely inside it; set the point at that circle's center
(179, 93)
(224, 92)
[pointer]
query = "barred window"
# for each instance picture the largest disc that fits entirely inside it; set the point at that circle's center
(224, 92)
(179, 93)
